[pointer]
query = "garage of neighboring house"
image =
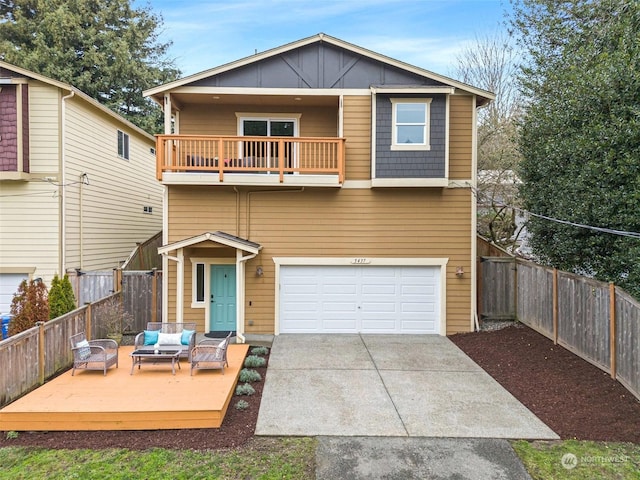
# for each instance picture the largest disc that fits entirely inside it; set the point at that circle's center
(361, 298)
(9, 283)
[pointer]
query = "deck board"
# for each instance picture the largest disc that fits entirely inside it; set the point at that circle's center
(150, 399)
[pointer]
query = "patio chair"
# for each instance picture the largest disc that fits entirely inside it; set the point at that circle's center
(93, 354)
(210, 354)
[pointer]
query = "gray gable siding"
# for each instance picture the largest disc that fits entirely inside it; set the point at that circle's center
(318, 65)
(408, 164)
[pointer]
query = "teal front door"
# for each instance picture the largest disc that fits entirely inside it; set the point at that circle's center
(222, 311)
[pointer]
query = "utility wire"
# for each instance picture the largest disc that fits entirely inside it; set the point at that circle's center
(480, 196)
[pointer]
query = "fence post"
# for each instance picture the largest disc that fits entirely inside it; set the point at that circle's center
(41, 356)
(612, 328)
(117, 280)
(88, 322)
(154, 292)
(555, 306)
(479, 283)
(515, 289)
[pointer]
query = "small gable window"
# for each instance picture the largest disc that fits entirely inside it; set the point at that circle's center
(410, 119)
(123, 145)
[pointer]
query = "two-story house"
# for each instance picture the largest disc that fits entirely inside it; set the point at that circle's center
(319, 187)
(77, 182)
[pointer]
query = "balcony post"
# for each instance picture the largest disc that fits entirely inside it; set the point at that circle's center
(220, 160)
(281, 159)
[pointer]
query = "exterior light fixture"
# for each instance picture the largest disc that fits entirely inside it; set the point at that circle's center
(259, 272)
(459, 271)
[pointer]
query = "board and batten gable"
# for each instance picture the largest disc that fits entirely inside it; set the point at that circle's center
(106, 203)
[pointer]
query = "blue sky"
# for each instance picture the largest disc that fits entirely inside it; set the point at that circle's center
(427, 33)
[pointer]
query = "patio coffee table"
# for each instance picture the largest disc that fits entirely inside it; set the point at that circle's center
(149, 355)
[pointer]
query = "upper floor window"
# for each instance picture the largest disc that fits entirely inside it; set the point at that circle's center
(123, 145)
(410, 123)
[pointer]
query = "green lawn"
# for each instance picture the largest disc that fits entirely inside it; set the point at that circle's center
(283, 458)
(581, 460)
(292, 458)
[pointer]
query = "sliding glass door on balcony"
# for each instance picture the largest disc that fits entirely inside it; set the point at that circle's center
(267, 154)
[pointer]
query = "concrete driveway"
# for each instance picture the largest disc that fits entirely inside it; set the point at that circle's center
(386, 385)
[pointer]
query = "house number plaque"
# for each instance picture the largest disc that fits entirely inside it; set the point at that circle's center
(361, 261)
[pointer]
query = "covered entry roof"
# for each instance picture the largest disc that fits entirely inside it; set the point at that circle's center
(216, 237)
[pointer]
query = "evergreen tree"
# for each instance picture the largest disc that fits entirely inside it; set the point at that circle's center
(580, 137)
(105, 48)
(61, 297)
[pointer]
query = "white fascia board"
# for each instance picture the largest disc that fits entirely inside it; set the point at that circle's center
(208, 236)
(379, 261)
(300, 92)
(410, 182)
(416, 90)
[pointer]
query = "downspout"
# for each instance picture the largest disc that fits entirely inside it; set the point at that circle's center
(474, 220)
(240, 282)
(63, 192)
(235, 189)
(179, 287)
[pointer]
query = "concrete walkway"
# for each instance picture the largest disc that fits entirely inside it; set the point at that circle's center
(386, 386)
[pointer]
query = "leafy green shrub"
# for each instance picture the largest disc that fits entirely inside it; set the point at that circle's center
(259, 350)
(245, 389)
(61, 297)
(242, 405)
(248, 375)
(12, 435)
(254, 361)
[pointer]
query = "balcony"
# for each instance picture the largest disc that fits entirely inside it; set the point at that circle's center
(240, 160)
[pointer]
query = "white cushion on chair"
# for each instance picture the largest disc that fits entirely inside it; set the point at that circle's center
(169, 338)
(84, 350)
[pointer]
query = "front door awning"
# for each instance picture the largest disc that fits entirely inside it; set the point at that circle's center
(216, 237)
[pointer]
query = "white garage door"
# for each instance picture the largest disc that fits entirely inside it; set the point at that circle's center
(9, 283)
(359, 299)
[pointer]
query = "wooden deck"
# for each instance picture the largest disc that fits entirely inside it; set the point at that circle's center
(150, 399)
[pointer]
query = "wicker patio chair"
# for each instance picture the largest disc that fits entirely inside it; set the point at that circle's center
(93, 354)
(210, 354)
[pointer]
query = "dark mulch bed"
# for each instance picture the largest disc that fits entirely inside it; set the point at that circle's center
(574, 398)
(237, 429)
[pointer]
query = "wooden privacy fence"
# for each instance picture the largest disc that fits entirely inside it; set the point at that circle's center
(595, 320)
(35, 355)
(141, 291)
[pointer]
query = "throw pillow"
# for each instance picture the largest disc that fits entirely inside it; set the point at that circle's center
(186, 336)
(169, 338)
(151, 337)
(84, 350)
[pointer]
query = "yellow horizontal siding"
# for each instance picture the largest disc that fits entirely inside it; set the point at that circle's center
(460, 136)
(357, 131)
(330, 223)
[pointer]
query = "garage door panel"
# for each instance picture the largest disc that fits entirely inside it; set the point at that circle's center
(366, 299)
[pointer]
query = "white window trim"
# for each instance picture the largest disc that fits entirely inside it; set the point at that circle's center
(294, 117)
(126, 145)
(427, 125)
(207, 262)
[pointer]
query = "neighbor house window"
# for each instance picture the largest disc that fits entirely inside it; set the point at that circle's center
(123, 145)
(410, 123)
(198, 283)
